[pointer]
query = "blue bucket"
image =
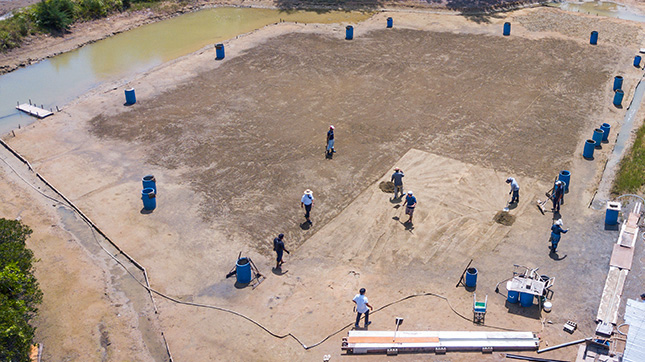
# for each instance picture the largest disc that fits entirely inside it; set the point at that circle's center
(149, 199)
(637, 61)
(618, 83)
(611, 215)
(130, 97)
(507, 29)
(598, 135)
(587, 153)
(471, 277)
(526, 299)
(349, 32)
(149, 182)
(605, 136)
(618, 97)
(593, 40)
(243, 271)
(219, 51)
(390, 22)
(565, 176)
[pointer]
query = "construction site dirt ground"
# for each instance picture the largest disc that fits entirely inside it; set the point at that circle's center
(234, 143)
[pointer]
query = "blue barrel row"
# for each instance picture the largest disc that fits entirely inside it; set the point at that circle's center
(600, 135)
(149, 192)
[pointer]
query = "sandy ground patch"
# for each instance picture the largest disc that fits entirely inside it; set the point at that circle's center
(234, 143)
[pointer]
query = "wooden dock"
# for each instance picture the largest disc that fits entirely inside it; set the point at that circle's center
(34, 111)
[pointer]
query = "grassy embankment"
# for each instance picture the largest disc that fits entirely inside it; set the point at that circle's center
(631, 174)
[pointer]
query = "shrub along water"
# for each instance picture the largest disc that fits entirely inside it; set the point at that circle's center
(19, 292)
(55, 17)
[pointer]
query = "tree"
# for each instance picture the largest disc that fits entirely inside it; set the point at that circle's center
(19, 292)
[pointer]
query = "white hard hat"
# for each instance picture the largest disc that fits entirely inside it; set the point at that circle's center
(331, 127)
(559, 222)
(409, 192)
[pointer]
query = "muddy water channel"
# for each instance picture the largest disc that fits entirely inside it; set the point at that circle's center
(602, 8)
(56, 81)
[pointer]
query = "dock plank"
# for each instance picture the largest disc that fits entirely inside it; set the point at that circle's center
(34, 111)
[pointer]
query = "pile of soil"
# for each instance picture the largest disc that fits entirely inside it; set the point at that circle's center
(387, 186)
(504, 218)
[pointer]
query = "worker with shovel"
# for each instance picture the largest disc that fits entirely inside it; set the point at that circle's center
(397, 179)
(515, 190)
(558, 195)
(556, 231)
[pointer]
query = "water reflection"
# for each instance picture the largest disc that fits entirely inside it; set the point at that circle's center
(604, 8)
(58, 80)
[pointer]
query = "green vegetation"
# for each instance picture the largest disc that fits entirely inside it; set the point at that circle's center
(55, 17)
(631, 174)
(19, 292)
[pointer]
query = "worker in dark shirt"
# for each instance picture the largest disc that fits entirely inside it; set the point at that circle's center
(278, 246)
(397, 179)
(558, 195)
(330, 141)
(556, 231)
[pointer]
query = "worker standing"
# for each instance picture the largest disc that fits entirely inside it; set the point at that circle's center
(362, 306)
(515, 190)
(330, 142)
(411, 203)
(556, 231)
(397, 178)
(279, 248)
(307, 202)
(558, 195)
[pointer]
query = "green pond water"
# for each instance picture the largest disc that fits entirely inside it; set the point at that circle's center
(58, 80)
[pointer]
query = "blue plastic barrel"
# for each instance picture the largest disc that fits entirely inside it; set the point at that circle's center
(618, 97)
(526, 299)
(594, 38)
(507, 29)
(243, 271)
(219, 51)
(598, 136)
(587, 153)
(513, 296)
(637, 61)
(149, 199)
(605, 136)
(565, 176)
(349, 32)
(390, 22)
(130, 98)
(471, 277)
(149, 182)
(618, 83)
(611, 215)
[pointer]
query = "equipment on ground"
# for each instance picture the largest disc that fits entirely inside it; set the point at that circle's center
(256, 276)
(570, 327)
(479, 309)
(461, 279)
(439, 342)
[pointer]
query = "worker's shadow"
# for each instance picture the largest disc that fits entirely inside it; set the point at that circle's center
(396, 200)
(305, 225)
(554, 255)
(512, 206)
(278, 271)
